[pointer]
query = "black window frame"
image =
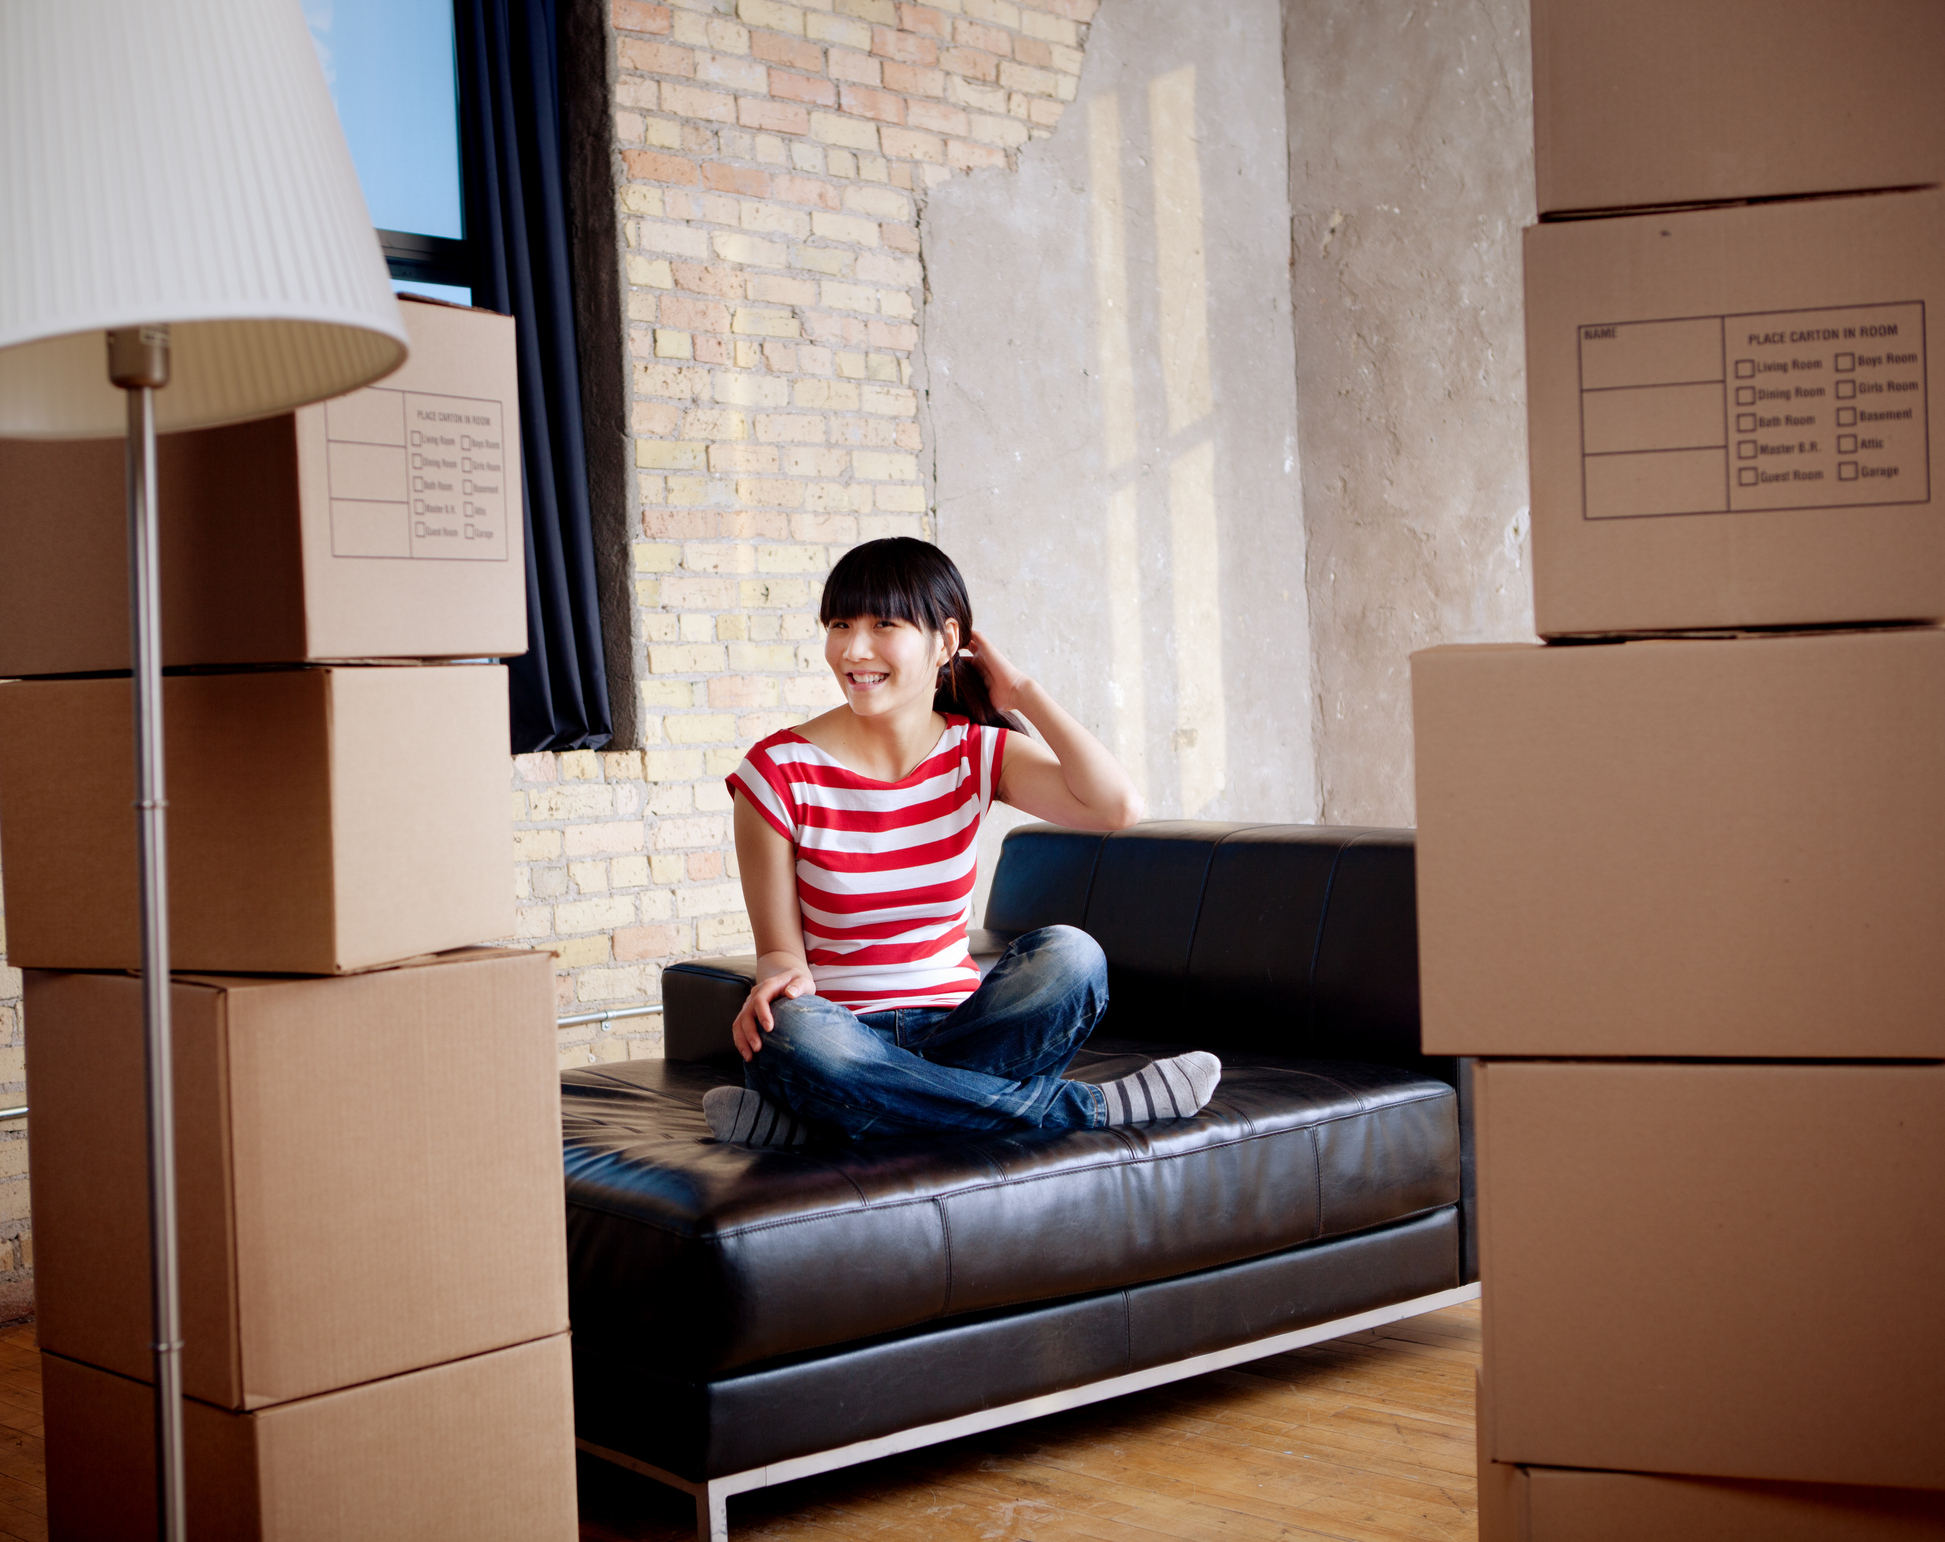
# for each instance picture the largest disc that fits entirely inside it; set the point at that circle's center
(430, 259)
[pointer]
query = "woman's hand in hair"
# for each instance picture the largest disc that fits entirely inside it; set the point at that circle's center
(1004, 680)
(1071, 779)
(790, 978)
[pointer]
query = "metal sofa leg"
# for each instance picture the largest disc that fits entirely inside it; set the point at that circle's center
(712, 1513)
(712, 1498)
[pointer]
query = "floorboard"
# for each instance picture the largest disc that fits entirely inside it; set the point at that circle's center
(1363, 1439)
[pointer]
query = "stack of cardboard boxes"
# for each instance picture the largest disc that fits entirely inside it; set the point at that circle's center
(1682, 866)
(368, 1130)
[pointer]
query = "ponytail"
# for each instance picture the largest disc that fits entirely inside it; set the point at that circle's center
(962, 692)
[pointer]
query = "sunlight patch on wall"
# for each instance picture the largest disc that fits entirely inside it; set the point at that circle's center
(1119, 430)
(1201, 731)
(1178, 239)
(1195, 576)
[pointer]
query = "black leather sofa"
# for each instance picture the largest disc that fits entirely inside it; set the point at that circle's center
(744, 1317)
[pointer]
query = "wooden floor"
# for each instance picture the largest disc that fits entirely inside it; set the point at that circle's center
(1366, 1438)
(23, 1480)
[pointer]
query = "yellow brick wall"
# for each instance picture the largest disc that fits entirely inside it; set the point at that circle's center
(772, 165)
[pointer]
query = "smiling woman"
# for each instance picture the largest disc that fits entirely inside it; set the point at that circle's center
(857, 836)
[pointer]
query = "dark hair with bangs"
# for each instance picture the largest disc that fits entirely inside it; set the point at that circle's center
(902, 579)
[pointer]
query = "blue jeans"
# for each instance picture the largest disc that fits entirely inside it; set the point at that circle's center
(991, 1063)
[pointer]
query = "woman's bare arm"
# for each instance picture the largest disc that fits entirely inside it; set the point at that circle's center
(769, 868)
(1071, 779)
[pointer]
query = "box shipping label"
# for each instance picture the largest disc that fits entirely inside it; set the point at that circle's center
(415, 474)
(1802, 409)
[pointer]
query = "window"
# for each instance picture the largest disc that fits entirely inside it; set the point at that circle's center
(393, 72)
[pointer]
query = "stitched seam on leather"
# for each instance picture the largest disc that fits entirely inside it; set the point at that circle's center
(1093, 867)
(945, 1231)
(1317, 1175)
(1127, 1331)
(1317, 942)
(1202, 895)
(1370, 1226)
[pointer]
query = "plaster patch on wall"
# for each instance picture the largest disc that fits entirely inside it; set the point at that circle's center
(1108, 368)
(1411, 177)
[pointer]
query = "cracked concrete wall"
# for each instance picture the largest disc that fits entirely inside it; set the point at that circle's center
(1109, 369)
(1411, 176)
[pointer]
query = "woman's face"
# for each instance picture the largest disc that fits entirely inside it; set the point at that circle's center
(883, 665)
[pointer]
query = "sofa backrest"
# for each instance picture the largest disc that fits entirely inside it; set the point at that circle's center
(1296, 940)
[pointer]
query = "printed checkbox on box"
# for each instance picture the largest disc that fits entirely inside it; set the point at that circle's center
(1745, 369)
(1846, 471)
(1847, 444)
(1846, 389)
(1746, 477)
(1745, 422)
(1846, 416)
(1745, 449)
(1846, 361)
(1745, 396)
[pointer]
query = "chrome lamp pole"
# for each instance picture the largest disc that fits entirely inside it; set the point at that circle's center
(138, 362)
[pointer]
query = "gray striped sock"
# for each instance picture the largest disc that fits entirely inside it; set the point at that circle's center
(740, 1117)
(1164, 1089)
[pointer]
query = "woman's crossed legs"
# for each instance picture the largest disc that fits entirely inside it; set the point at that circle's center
(991, 1063)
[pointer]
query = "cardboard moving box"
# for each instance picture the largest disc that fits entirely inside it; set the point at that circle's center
(1730, 414)
(1714, 1269)
(383, 524)
(1552, 1504)
(369, 1174)
(1695, 847)
(1556, 1504)
(481, 1450)
(1640, 102)
(320, 820)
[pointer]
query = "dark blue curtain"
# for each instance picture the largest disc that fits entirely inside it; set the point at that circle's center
(516, 227)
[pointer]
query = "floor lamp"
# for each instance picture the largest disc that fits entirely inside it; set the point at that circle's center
(173, 180)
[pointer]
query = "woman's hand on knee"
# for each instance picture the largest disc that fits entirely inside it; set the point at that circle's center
(788, 978)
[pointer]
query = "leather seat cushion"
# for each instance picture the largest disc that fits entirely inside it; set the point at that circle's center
(727, 1256)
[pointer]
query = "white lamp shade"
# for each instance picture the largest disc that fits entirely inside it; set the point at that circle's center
(178, 161)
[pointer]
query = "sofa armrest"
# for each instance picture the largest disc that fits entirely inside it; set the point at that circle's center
(986, 947)
(701, 997)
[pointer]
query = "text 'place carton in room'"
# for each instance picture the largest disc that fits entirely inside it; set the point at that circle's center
(1735, 418)
(382, 524)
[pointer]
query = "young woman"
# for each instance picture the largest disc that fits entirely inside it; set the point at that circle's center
(857, 836)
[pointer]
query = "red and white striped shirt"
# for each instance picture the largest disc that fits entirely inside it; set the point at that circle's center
(884, 869)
